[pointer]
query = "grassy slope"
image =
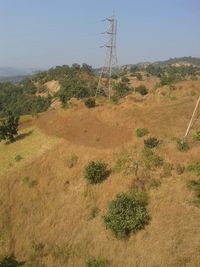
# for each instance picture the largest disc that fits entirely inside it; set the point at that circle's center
(56, 211)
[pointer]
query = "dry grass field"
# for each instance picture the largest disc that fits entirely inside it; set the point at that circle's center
(45, 206)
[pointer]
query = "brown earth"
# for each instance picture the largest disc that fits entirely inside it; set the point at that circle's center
(84, 127)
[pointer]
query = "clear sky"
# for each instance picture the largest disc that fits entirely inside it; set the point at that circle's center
(44, 33)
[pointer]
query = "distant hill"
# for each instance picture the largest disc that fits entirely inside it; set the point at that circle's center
(15, 75)
(11, 71)
(14, 79)
(195, 61)
(181, 61)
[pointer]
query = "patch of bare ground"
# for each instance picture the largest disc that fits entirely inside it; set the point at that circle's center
(84, 127)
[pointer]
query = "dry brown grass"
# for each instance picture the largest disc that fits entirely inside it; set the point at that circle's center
(56, 211)
(30, 144)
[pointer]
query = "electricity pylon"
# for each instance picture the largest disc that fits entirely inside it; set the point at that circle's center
(111, 57)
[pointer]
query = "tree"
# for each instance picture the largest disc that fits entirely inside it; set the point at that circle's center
(9, 127)
(126, 214)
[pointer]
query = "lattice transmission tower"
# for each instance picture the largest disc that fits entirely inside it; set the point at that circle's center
(104, 82)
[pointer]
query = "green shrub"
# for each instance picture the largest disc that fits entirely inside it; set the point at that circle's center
(97, 262)
(182, 145)
(61, 254)
(10, 261)
(195, 167)
(121, 90)
(141, 89)
(140, 195)
(151, 142)
(195, 186)
(150, 159)
(125, 162)
(96, 171)
(72, 160)
(36, 246)
(139, 76)
(140, 132)
(125, 214)
(18, 157)
(180, 169)
(167, 169)
(29, 182)
(115, 99)
(196, 135)
(90, 103)
(125, 79)
(154, 183)
(114, 76)
(93, 212)
(156, 86)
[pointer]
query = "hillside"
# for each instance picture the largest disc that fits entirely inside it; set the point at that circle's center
(51, 216)
(180, 61)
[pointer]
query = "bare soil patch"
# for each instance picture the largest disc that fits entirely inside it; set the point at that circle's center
(84, 127)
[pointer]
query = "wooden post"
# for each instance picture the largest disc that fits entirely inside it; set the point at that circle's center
(190, 123)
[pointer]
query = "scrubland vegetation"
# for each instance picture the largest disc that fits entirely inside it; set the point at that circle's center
(100, 183)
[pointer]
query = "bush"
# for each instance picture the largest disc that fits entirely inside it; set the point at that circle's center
(140, 132)
(151, 159)
(121, 90)
(195, 186)
(90, 103)
(139, 76)
(125, 161)
(195, 167)
(180, 169)
(10, 261)
(36, 246)
(29, 182)
(97, 262)
(167, 169)
(125, 214)
(72, 160)
(125, 79)
(196, 135)
(151, 142)
(154, 183)
(141, 89)
(18, 157)
(95, 172)
(93, 212)
(139, 194)
(114, 76)
(182, 145)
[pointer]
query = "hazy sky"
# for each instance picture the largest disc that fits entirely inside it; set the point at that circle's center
(45, 33)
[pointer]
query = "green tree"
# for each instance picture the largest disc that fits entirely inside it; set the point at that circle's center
(126, 213)
(9, 127)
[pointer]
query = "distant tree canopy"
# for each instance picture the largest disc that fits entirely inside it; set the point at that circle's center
(77, 81)
(80, 81)
(170, 73)
(21, 99)
(61, 72)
